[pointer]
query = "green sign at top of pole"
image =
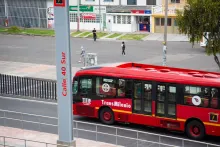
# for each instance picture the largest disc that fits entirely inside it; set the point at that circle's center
(81, 8)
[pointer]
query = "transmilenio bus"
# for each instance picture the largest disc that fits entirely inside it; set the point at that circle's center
(173, 98)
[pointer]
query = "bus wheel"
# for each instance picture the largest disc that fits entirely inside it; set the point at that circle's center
(195, 130)
(106, 116)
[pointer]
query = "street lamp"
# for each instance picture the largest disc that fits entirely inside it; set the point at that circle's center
(165, 34)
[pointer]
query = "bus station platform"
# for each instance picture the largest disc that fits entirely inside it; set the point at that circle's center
(15, 137)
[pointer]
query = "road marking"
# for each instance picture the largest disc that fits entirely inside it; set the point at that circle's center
(14, 47)
(28, 100)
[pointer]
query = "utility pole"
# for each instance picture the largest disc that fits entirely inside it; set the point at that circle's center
(78, 14)
(165, 34)
(100, 17)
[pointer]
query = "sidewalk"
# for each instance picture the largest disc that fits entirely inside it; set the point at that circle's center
(170, 37)
(149, 37)
(40, 137)
(31, 70)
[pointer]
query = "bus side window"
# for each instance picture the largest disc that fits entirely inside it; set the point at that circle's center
(105, 87)
(214, 98)
(85, 86)
(75, 86)
(128, 88)
(202, 92)
(121, 87)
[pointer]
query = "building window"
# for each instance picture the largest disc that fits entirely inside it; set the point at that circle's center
(73, 17)
(128, 19)
(118, 19)
(123, 19)
(157, 21)
(131, 2)
(151, 2)
(175, 1)
(114, 19)
(161, 21)
(169, 22)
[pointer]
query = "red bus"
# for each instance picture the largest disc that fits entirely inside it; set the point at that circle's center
(173, 98)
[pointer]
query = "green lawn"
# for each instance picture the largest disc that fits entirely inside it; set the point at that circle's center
(99, 34)
(84, 34)
(73, 34)
(16, 30)
(133, 37)
(114, 35)
(38, 32)
(2, 30)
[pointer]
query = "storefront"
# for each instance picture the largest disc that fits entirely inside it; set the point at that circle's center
(158, 20)
(89, 18)
(136, 20)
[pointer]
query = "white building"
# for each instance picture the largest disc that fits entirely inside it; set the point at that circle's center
(116, 15)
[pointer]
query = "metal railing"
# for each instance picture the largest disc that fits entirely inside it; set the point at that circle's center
(114, 135)
(26, 142)
(27, 87)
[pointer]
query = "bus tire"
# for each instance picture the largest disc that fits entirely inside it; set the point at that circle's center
(195, 130)
(106, 116)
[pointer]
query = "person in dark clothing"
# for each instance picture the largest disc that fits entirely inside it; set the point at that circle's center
(123, 48)
(94, 34)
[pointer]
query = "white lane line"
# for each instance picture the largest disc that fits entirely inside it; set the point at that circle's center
(28, 100)
(13, 47)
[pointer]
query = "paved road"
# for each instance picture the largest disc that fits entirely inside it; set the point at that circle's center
(50, 109)
(41, 50)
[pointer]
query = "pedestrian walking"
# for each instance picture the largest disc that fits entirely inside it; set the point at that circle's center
(123, 48)
(94, 34)
(82, 55)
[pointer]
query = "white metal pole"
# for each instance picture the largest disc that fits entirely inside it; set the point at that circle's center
(165, 34)
(78, 14)
(100, 18)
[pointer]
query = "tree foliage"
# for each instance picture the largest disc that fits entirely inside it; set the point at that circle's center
(201, 16)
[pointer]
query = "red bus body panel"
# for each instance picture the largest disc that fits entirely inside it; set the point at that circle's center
(122, 107)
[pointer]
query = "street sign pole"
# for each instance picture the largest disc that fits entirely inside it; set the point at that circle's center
(64, 75)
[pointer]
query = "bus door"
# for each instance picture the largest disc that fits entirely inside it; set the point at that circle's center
(166, 100)
(142, 97)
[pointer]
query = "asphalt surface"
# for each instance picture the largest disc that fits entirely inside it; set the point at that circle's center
(50, 109)
(41, 50)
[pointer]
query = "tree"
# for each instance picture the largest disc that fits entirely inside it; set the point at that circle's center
(201, 16)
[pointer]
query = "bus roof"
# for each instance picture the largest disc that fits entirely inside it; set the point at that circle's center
(154, 73)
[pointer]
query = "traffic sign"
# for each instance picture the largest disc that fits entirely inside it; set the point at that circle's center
(81, 8)
(59, 3)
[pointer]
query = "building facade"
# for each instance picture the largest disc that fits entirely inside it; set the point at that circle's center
(158, 13)
(116, 15)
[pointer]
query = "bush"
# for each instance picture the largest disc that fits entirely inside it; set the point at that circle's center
(14, 29)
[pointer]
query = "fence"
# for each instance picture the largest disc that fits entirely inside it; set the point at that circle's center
(105, 133)
(5, 144)
(27, 87)
(24, 16)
